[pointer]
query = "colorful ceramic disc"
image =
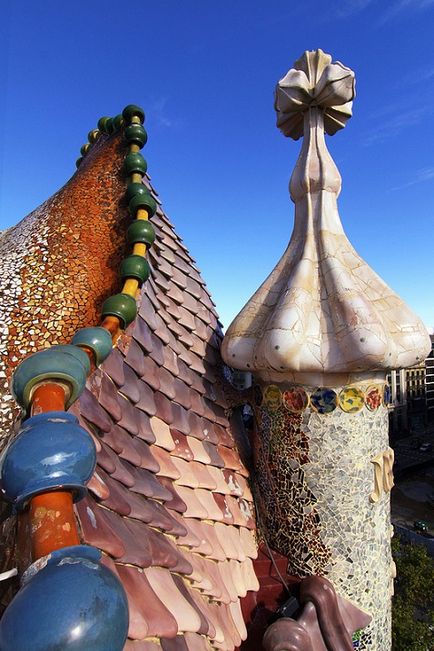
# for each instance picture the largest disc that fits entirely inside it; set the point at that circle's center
(351, 399)
(295, 399)
(272, 397)
(373, 398)
(324, 400)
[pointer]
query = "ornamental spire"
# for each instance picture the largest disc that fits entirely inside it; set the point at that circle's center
(322, 310)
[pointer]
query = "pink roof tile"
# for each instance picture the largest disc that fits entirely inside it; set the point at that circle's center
(169, 503)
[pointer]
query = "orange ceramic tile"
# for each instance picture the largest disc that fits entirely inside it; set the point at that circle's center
(98, 486)
(238, 619)
(148, 614)
(221, 502)
(216, 553)
(195, 508)
(250, 578)
(162, 434)
(228, 538)
(198, 450)
(234, 485)
(216, 590)
(97, 530)
(209, 504)
(227, 579)
(164, 587)
(187, 474)
(137, 645)
(190, 539)
(237, 578)
(196, 528)
(167, 467)
(182, 445)
(234, 507)
(196, 642)
(218, 477)
(213, 614)
(248, 542)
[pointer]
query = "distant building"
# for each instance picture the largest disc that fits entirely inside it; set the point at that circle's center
(412, 395)
(429, 382)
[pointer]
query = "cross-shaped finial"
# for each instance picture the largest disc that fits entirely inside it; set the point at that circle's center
(314, 81)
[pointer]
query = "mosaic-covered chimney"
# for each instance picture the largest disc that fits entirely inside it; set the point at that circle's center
(319, 336)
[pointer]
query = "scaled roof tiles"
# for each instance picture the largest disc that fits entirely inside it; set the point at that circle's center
(169, 504)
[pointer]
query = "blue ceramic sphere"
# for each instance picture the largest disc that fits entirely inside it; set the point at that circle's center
(73, 603)
(51, 452)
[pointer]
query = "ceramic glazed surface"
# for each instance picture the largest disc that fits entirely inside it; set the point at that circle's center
(374, 397)
(60, 605)
(295, 399)
(322, 310)
(351, 399)
(324, 400)
(314, 477)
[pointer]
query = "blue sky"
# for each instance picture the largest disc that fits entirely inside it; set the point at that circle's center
(205, 73)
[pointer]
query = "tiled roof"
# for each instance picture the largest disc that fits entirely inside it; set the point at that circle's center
(169, 504)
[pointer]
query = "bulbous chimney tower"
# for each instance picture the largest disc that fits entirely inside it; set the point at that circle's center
(319, 336)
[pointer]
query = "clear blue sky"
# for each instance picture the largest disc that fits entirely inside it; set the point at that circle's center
(205, 73)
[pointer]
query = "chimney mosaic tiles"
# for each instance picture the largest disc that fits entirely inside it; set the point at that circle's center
(301, 463)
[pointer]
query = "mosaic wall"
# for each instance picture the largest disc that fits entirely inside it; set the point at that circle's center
(315, 477)
(59, 264)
